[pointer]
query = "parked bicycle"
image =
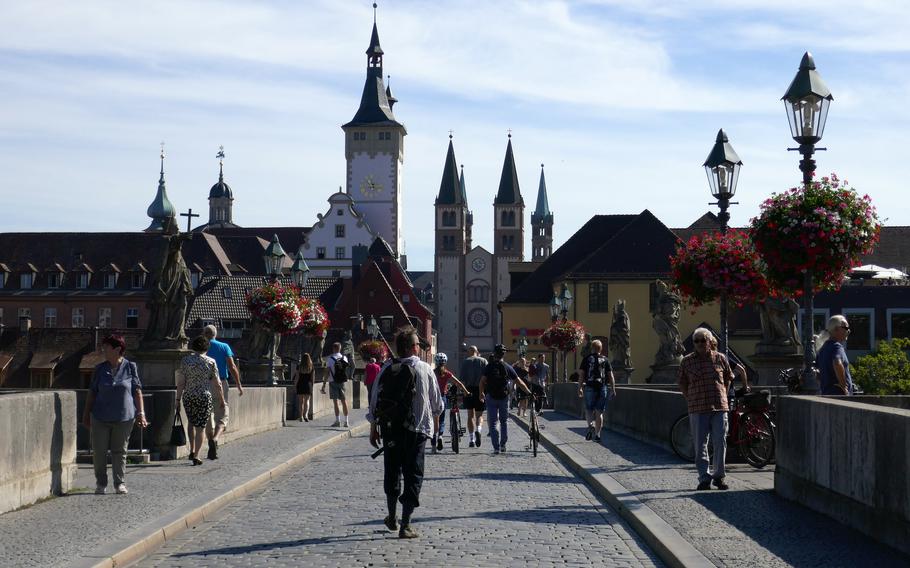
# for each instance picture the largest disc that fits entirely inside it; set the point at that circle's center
(751, 430)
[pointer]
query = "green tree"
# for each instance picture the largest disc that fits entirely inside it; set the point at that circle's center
(886, 370)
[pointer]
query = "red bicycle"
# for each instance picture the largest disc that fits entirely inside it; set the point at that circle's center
(751, 430)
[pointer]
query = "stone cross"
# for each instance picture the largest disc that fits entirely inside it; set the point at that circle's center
(189, 218)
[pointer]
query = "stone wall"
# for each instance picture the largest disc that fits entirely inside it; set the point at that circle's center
(37, 446)
(646, 414)
(848, 461)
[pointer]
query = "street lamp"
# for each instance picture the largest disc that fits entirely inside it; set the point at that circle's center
(523, 343)
(300, 271)
(565, 301)
(807, 101)
(722, 167)
(274, 258)
(554, 308)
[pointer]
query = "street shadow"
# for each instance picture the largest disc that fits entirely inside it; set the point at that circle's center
(250, 548)
(798, 536)
(523, 477)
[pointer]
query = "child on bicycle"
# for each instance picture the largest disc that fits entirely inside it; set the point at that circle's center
(443, 377)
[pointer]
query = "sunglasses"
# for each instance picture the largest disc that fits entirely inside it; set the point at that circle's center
(847, 327)
(699, 341)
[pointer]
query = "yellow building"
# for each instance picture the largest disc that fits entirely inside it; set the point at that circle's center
(611, 257)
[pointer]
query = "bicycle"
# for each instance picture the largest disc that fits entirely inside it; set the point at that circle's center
(455, 428)
(534, 426)
(751, 430)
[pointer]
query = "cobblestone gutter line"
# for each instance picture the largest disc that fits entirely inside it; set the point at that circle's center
(672, 548)
(128, 551)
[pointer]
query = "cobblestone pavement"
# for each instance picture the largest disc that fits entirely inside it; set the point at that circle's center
(477, 509)
(748, 525)
(81, 522)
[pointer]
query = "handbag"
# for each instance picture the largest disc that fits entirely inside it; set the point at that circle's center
(178, 433)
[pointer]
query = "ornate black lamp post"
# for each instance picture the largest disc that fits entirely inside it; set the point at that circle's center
(372, 328)
(523, 343)
(807, 101)
(300, 273)
(565, 301)
(722, 167)
(273, 257)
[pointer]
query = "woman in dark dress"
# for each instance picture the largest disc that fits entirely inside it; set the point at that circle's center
(521, 369)
(304, 387)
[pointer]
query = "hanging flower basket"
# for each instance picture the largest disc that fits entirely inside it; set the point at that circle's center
(712, 263)
(564, 335)
(824, 230)
(373, 348)
(283, 310)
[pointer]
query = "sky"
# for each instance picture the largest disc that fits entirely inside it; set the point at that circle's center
(620, 99)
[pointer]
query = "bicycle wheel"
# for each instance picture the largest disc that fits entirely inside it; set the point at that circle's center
(455, 425)
(756, 439)
(681, 439)
(534, 432)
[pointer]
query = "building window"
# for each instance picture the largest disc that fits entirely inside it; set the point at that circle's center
(132, 318)
(25, 280)
(478, 293)
(78, 317)
(448, 242)
(339, 253)
(53, 280)
(819, 320)
(138, 280)
(50, 317)
(231, 329)
(862, 328)
(194, 279)
(110, 280)
(82, 281)
(25, 313)
(448, 219)
(339, 231)
(104, 317)
(898, 323)
(508, 242)
(385, 324)
(336, 274)
(405, 298)
(226, 293)
(320, 252)
(507, 219)
(598, 299)
(340, 212)
(385, 135)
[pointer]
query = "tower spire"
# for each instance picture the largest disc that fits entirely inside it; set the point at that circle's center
(541, 224)
(450, 191)
(161, 207)
(543, 207)
(509, 191)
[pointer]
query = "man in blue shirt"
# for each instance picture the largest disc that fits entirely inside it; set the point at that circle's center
(494, 388)
(224, 357)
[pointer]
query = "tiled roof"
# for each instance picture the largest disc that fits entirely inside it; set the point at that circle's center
(641, 249)
(893, 249)
(538, 286)
(224, 297)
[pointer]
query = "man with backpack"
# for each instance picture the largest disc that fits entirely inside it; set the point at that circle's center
(337, 366)
(594, 375)
(404, 403)
(494, 388)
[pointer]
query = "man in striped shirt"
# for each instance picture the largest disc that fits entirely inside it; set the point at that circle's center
(704, 377)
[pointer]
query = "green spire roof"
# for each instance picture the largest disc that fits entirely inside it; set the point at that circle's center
(509, 193)
(161, 207)
(542, 211)
(464, 193)
(450, 189)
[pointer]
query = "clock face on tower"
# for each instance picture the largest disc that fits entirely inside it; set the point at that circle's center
(478, 264)
(369, 187)
(478, 318)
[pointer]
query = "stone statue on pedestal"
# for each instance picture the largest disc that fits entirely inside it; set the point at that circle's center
(170, 291)
(778, 327)
(347, 349)
(263, 342)
(665, 324)
(620, 337)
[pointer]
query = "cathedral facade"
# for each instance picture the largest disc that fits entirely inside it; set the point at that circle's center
(470, 281)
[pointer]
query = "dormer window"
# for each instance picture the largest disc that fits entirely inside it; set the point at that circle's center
(110, 280)
(26, 279)
(138, 279)
(53, 281)
(194, 279)
(226, 293)
(82, 280)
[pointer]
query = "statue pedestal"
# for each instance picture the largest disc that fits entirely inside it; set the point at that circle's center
(768, 365)
(623, 375)
(157, 368)
(259, 372)
(664, 374)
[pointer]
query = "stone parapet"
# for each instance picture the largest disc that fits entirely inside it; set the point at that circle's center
(847, 460)
(37, 446)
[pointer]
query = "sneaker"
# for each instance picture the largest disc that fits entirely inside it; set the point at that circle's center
(336, 423)
(213, 450)
(346, 423)
(305, 419)
(191, 456)
(391, 523)
(300, 419)
(597, 438)
(407, 532)
(100, 489)
(197, 461)
(477, 439)
(433, 445)
(439, 443)
(471, 443)
(502, 449)
(121, 489)
(719, 483)
(495, 451)
(590, 433)
(703, 486)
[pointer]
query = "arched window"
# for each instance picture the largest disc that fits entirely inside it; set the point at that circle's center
(478, 291)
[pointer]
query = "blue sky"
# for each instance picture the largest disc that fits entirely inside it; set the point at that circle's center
(620, 99)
